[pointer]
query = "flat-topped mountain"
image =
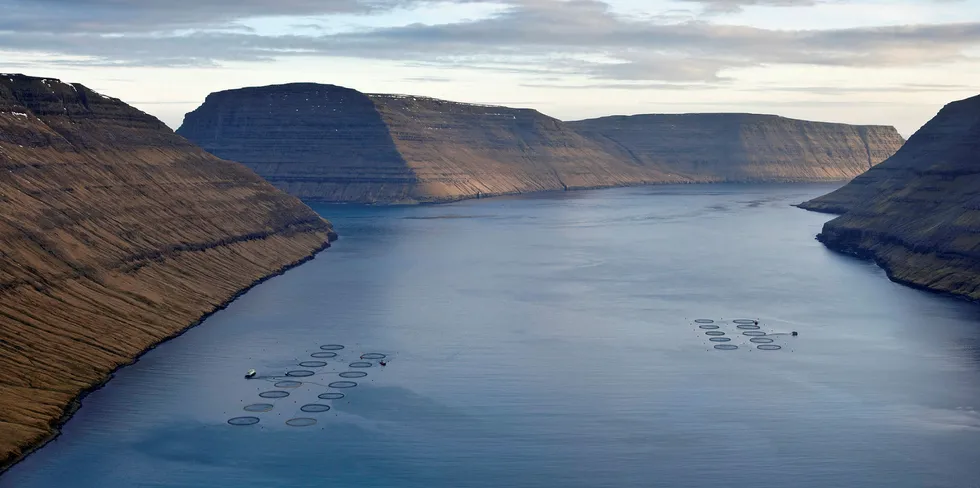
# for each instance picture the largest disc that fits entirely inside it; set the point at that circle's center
(746, 147)
(918, 213)
(329, 143)
(115, 234)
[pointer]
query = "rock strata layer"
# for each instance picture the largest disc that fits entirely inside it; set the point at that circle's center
(747, 147)
(115, 234)
(918, 213)
(329, 143)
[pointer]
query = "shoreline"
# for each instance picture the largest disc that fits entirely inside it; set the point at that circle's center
(76, 403)
(461, 198)
(868, 255)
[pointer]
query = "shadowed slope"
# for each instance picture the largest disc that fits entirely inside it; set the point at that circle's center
(918, 213)
(318, 142)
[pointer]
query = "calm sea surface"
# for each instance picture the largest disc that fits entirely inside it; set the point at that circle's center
(549, 341)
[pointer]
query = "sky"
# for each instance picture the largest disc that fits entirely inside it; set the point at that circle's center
(891, 62)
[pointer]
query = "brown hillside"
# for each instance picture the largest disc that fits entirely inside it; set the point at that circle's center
(114, 235)
(747, 147)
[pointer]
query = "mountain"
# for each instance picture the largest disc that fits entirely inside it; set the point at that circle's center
(329, 143)
(918, 213)
(746, 147)
(115, 234)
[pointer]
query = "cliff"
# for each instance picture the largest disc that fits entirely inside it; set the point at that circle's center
(746, 147)
(918, 213)
(328, 143)
(115, 234)
(460, 150)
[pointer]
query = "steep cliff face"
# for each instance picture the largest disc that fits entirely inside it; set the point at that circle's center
(460, 150)
(918, 213)
(746, 147)
(114, 235)
(318, 142)
(327, 143)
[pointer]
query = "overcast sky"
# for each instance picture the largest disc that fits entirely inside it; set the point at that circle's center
(890, 62)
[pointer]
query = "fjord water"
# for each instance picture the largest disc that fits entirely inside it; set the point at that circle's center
(548, 341)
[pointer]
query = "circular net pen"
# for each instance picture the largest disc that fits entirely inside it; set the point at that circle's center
(719, 339)
(300, 373)
(360, 364)
(274, 394)
(243, 420)
(259, 407)
(373, 355)
(744, 321)
(343, 384)
(753, 333)
(704, 321)
(323, 355)
(352, 374)
(314, 408)
(726, 347)
(714, 333)
(331, 347)
(769, 347)
(334, 395)
(301, 422)
(748, 326)
(761, 340)
(313, 364)
(288, 384)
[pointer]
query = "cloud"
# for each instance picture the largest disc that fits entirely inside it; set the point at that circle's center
(833, 91)
(429, 79)
(851, 90)
(730, 6)
(542, 37)
(627, 86)
(734, 6)
(134, 16)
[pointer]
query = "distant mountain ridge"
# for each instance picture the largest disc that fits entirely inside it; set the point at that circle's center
(741, 147)
(334, 144)
(918, 213)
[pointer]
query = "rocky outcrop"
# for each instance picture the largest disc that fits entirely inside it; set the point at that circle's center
(115, 234)
(918, 213)
(746, 147)
(328, 143)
